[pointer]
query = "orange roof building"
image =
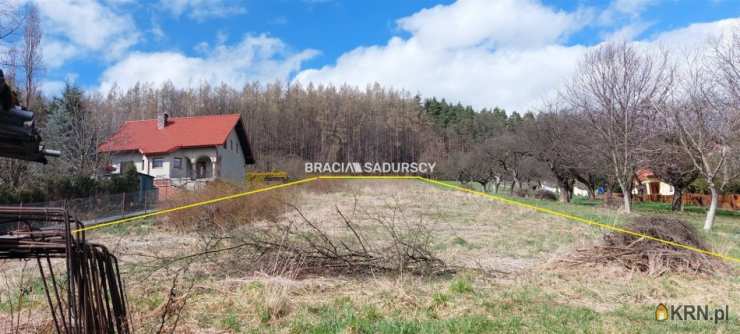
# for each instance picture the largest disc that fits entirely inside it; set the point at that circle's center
(182, 149)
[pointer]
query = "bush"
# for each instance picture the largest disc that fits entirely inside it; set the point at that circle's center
(225, 215)
(14, 196)
(84, 186)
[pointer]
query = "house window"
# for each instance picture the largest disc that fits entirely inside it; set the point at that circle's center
(177, 163)
(157, 163)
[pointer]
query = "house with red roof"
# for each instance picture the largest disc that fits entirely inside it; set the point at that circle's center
(647, 183)
(181, 150)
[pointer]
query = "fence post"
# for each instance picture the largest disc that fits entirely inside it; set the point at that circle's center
(123, 204)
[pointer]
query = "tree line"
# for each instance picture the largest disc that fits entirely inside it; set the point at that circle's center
(628, 109)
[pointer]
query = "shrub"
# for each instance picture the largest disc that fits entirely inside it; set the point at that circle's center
(227, 214)
(461, 285)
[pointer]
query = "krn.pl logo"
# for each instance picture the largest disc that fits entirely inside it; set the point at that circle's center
(661, 313)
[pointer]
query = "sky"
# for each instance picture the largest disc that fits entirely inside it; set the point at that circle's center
(513, 54)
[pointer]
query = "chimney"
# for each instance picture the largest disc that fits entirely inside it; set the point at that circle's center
(162, 120)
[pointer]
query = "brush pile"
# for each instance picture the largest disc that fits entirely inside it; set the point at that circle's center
(380, 244)
(649, 256)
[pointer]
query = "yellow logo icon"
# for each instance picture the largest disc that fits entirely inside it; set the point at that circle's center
(661, 313)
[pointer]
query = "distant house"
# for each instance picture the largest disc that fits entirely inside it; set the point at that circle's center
(647, 183)
(182, 150)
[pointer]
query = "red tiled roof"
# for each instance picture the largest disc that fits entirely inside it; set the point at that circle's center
(644, 174)
(180, 132)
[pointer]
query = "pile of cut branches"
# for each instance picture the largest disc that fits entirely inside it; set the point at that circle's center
(649, 256)
(381, 244)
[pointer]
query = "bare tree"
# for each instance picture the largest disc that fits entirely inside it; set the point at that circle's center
(508, 151)
(616, 87)
(10, 62)
(553, 140)
(668, 160)
(708, 119)
(10, 20)
(478, 165)
(31, 52)
(726, 60)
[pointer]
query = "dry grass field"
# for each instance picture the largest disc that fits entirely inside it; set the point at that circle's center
(506, 273)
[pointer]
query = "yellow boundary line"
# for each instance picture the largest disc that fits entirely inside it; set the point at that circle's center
(579, 219)
(425, 180)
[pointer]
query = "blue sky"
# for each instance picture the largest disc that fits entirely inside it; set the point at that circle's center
(483, 52)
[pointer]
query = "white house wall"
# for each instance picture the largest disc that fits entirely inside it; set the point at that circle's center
(665, 189)
(191, 154)
(232, 159)
(117, 159)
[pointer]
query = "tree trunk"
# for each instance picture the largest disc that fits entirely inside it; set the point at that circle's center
(627, 203)
(484, 185)
(626, 197)
(712, 208)
(591, 193)
(564, 195)
(566, 190)
(677, 203)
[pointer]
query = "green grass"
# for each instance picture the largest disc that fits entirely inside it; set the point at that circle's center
(30, 294)
(135, 227)
(522, 310)
(232, 323)
(724, 233)
(461, 285)
(660, 207)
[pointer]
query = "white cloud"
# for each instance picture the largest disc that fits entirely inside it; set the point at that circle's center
(620, 10)
(485, 53)
(76, 27)
(626, 15)
(631, 7)
(200, 10)
(55, 87)
(627, 32)
(56, 53)
(504, 23)
(260, 58)
(52, 87)
(696, 36)
(157, 31)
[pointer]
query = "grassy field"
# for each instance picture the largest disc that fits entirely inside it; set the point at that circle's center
(510, 279)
